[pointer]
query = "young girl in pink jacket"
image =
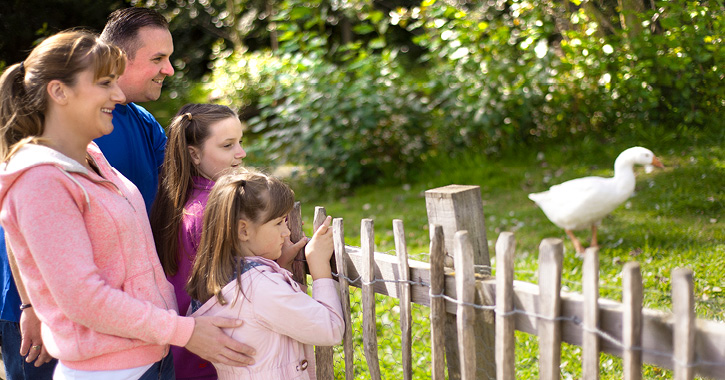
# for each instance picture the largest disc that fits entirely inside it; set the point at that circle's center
(235, 275)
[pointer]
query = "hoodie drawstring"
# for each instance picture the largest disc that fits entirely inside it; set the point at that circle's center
(85, 193)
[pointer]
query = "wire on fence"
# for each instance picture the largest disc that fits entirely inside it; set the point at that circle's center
(573, 319)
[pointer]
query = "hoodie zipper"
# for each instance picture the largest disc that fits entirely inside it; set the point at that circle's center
(105, 182)
(148, 260)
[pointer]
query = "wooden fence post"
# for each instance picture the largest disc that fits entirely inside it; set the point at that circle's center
(459, 208)
(370, 330)
(324, 360)
(465, 291)
(683, 308)
(294, 221)
(505, 323)
(437, 304)
(550, 263)
(338, 235)
(632, 294)
(406, 314)
(590, 338)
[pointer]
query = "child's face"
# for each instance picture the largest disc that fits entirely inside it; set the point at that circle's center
(265, 239)
(221, 151)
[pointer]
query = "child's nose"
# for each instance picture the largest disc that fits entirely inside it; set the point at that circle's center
(241, 153)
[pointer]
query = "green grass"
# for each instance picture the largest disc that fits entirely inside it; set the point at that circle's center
(674, 219)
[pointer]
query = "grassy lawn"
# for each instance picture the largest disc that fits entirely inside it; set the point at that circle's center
(674, 219)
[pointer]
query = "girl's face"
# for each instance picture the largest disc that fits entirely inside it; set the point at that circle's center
(89, 103)
(221, 150)
(264, 239)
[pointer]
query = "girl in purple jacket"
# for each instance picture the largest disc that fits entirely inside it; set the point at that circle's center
(204, 140)
(235, 275)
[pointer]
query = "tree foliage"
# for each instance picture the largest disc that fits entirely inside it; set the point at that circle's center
(23, 23)
(363, 90)
(356, 101)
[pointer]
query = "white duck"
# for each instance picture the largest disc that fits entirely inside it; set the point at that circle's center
(584, 202)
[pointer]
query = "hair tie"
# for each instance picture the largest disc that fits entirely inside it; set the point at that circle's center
(188, 114)
(22, 68)
(243, 183)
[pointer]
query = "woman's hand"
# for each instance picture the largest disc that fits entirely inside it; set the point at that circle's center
(210, 343)
(319, 251)
(31, 343)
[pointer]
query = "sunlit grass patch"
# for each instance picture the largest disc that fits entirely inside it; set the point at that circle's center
(674, 219)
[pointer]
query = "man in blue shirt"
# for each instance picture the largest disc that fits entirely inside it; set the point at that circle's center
(135, 148)
(136, 145)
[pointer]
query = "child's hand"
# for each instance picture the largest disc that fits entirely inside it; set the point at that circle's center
(290, 251)
(319, 251)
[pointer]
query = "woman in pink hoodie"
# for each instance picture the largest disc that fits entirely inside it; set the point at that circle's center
(235, 276)
(79, 230)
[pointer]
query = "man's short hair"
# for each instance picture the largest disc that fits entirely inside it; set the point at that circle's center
(123, 25)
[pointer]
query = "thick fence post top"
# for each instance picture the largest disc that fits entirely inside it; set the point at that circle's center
(456, 208)
(450, 189)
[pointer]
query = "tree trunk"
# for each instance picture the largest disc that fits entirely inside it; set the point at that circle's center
(628, 10)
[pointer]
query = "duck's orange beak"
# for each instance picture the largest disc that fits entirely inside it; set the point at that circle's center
(656, 162)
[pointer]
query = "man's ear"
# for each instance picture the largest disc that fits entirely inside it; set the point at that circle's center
(243, 230)
(57, 92)
(195, 154)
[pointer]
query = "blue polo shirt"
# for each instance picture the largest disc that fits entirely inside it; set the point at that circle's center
(136, 148)
(9, 298)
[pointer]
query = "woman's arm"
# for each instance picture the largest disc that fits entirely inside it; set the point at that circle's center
(29, 322)
(45, 209)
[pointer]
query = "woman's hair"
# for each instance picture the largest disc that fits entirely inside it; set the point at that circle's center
(252, 196)
(123, 25)
(190, 127)
(23, 86)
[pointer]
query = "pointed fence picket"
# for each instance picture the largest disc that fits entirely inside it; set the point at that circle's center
(455, 289)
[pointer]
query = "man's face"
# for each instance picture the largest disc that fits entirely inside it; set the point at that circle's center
(145, 73)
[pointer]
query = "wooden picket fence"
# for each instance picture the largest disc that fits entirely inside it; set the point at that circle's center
(473, 315)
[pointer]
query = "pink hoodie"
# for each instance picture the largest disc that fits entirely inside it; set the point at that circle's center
(86, 255)
(280, 321)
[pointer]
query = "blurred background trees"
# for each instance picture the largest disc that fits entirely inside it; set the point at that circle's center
(363, 91)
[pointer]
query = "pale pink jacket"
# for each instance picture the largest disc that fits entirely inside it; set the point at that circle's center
(281, 322)
(87, 258)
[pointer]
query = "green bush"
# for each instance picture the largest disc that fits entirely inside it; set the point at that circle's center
(663, 78)
(348, 124)
(491, 77)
